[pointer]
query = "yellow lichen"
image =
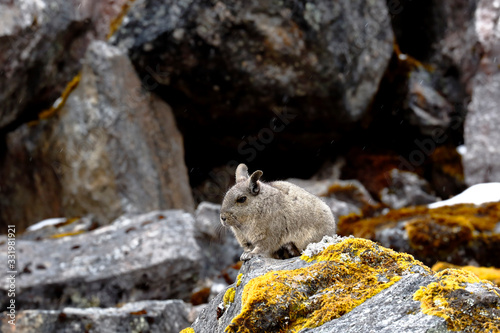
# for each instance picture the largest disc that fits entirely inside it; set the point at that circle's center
(486, 273)
(229, 296)
(340, 278)
(187, 330)
(238, 279)
(481, 218)
(117, 21)
(66, 234)
(438, 233)
(62, 100)
(437, 299)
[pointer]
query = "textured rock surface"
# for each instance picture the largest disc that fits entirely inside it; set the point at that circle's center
(150, 256)
(146, 316)
(406, 189)
(462, 234)
(112, 149)
(41, 44)
(280, 295)
(260, 64)
(482, 138)
(219, 247)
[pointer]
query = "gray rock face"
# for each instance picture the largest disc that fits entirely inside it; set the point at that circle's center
(112, 149)
(219, 247)
(406, 189)
(387, 312)
(146, 316)
(150, 256)
(482, 138)
(429, 110)
(250, 61)
(41, 44)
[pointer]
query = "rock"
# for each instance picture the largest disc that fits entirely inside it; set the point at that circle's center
(219, 247)
(350, 285)
(146, 316)
(462, 234)
(429, 110)
(59, 226)
(41, 45)
(406, 189)
(137, 257)
(482, 138)
(259, 65)
(344, 197)
(112, 149)
(486, 273)
(441, 36)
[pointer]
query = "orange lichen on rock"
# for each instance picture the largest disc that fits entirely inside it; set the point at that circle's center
(187, 330)
(67, 234)
(486, 273)
(117, 21)
(448, 161)
(480, 218)
(448, 298)
(340, 278)
(438, 233)
(62, 100)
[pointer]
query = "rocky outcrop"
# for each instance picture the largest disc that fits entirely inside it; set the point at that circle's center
(113, 148)
(482, 139)
(350, 285)
(137, 257)
(262, 65)
(41, 45)
(462, 234)
(146, 316)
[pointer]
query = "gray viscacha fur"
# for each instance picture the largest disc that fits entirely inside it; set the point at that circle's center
(267, 217)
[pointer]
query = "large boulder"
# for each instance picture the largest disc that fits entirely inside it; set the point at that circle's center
(234, 69)
(41, 45)
(145, 316)
(138, 257)
(482, 138)
(350, 285)
(113, 148)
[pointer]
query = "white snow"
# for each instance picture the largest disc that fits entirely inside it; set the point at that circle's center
(476, 194)
(47, 222)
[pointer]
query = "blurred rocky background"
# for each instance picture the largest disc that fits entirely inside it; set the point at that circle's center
(122, 122)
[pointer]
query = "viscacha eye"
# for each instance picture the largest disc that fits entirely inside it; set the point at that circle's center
(241, 199)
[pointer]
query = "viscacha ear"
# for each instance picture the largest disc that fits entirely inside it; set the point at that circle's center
(253, 184)
(241, 173)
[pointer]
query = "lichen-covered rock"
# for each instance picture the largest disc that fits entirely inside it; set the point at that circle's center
(461, 234)
(137, 257)
(486, 273)
(482, 139)
(259, 64)
(41, 45)
(145, 316)
(112, 149)
(348, 285)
